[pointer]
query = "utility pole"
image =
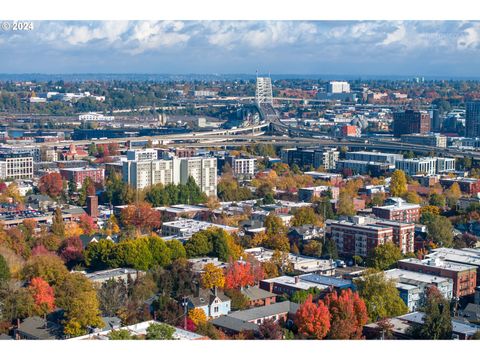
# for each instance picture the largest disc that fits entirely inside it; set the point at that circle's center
(185, 303)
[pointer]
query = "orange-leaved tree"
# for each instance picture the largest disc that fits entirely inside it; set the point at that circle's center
(313, 319)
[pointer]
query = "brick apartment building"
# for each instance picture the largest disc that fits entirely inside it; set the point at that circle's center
(398, 210)
(467, 185)
(358, 239)
(79, 175)
(464, 276)
(403, 234)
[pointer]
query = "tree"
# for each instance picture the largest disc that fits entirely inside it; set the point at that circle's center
(43, 296)
(51, 184)
(177, 250)
(112, 227)
(330, 249)
(300, 296)
(380, 295)
(437, 322)
(312, 320)
(453, 194)
(4, 270)
(270, 330)
(112, 296)
(305, 216)
(348, 315)
(58, 226)
(141, 216)
(77, 296)
(49, 267)
(238, 300)
(71, 251)
(437, 200)
(313, 248)
(440, 231)
(87, 224)
(274, 225)
(345, 204)
(103, 254)
(121, 334)
(72, 229)
(398, 183)
(87, 189)
(413, 198)
(198, 245)
(385, 256)
(212, 277)
(198, 316)
(160, 332)
(239, 275)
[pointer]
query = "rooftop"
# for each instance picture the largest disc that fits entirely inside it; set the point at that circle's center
(439, 263)
(265, 311)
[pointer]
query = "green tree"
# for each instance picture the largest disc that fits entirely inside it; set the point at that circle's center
(380, 295)
(58, 226)
(198, 245)
(160, 332)
(4, 270)
(398, 183)
(239, 301)
(121, 334)
(437, 200)
(330, 249)
(437, 323)
(112, 296)
(385, 256)
(103, 254)
(177, 250)
(440, 230)
(324, 208)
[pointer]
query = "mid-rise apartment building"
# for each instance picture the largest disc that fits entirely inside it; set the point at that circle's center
(79, 175)
(411, 122)
(242, 166)
(464, 276)
(316, 158)
(426, 165)
(436, 140)
(398, 210)
(373, 156)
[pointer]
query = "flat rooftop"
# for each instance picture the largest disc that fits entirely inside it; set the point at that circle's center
(439, 263)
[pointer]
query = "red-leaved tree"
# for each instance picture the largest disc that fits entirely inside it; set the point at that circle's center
(71, 251)
(87, 224)
(313, 320)
(348, 315)
(43, 296)
(239, 275)
(141, 216)
(51, 184)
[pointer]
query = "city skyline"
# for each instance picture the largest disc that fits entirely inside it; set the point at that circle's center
(347, 48)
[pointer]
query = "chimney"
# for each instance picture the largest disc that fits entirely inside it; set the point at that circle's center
(92, 206)
(215, 292)
(197, 289)
(297, 279)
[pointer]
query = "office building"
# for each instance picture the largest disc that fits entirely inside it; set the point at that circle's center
(373, 156)
(337, 87)
(316, 158)
(411, 122)
(472, 119)
(435, 140)
(467, 185)
(425, 166)
(183, 229)
(365, 167)
(16, 165)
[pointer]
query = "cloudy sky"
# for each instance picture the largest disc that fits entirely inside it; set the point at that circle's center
(425, 48)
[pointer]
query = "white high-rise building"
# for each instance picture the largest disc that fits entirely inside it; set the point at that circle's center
(143, 172)
(338, 87)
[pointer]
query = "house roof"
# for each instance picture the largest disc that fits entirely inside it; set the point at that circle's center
(207, 296)
(255, 293)
(265, 311)
(34, 327)
(231, 323)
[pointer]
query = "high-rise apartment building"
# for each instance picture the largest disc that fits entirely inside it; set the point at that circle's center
(472, 119)
(144, 173)
(338, 87)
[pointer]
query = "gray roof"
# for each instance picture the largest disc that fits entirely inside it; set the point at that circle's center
(255, 293)
(230, 323)
(207, 296)
(457, 326)
(34, 327)
(265, 311)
